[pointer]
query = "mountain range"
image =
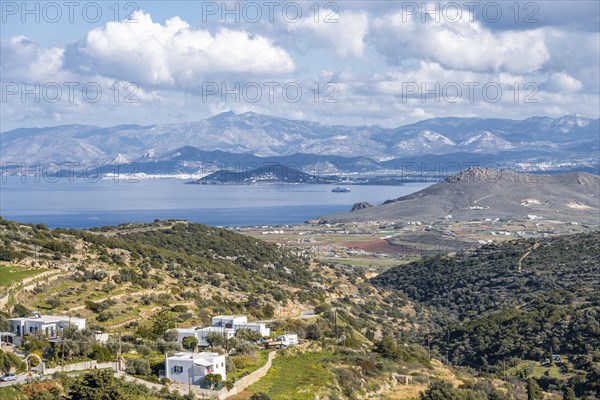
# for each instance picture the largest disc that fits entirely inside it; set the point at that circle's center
(250, 137)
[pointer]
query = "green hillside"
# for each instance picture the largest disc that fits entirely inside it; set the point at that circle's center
(522, 300)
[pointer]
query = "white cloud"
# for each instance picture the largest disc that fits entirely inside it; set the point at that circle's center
(562, 82)
(24, 60)
(174, 54)
(346, 36)
(459, 45)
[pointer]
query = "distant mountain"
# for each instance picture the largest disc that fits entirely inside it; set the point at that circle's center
(477, 193)
(570, 138)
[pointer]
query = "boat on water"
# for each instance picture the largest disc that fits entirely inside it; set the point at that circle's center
(340, 190)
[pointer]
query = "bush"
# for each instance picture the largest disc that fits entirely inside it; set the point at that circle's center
(144, 350)
(101, 354)
(241, 361)
(259, 396)
(313, 331)
(138, 366)
(246, 348)
(230, 365)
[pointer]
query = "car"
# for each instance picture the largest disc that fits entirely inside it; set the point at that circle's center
(8, 377)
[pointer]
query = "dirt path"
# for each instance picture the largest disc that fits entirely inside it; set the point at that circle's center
(524, 256)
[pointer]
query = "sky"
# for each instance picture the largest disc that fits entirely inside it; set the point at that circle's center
(385, 63)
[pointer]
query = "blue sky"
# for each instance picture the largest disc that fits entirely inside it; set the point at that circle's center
(352, 62)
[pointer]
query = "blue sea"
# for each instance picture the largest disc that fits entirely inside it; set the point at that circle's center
(84, 204)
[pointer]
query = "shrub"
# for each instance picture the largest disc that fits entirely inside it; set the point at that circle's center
(101, 354)
(259, 396)
(138, 366)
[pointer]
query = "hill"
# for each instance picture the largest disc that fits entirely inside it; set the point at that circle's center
(276, 173)
(478, 193)
(499, 305)
(139, 268)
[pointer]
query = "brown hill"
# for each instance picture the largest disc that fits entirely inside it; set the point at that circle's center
(478, 193)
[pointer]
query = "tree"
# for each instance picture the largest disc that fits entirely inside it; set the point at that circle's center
(534, 392)
(4, 324)
(442, 390)
(189, 343)
(247, 334)
(54, 302)
(101, 353)
(158, 325)
(78, 342)
(247, 348)
(313, 331)
(171, 335)
(388, 348)
(213, 379)
(9, 361)
(215, 339)
(138, 366)
(569, 393)
(97, 385)
(268, 311)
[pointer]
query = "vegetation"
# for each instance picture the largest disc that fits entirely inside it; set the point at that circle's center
(10, 362)
(11, 274)
(501, 311)
(96, 385)
(522, 300)
(309, 377)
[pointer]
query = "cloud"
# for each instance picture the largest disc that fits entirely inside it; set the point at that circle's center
(174, 54)
(344, 33)
(463, 44)
(562, 82)
(24, 60)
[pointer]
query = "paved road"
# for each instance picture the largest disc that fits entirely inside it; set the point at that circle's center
(22, 378)
(304, 314)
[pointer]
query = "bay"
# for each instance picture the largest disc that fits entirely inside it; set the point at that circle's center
(84, 204)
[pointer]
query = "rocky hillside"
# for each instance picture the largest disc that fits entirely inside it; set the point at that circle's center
(478, 193)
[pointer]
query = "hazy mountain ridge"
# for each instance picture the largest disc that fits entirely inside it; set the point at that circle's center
(567, 137)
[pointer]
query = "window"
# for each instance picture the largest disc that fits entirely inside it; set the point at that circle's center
(178, 369)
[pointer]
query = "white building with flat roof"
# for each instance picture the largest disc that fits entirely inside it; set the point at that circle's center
(201, 333)
(50, 326)
(192, 368)
(237, 322)
(226, 325)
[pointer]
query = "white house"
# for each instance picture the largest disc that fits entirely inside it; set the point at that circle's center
(191, 368)
(289, 339)
(202, 332)
(50, 326)
(226, 325)
(229, 321)
(240, 322)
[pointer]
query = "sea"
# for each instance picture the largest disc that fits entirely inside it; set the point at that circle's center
(80, 203)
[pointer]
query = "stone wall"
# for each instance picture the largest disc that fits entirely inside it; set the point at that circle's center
(81, 366)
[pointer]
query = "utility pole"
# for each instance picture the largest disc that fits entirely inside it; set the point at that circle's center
(119, 366)
(335, 323)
